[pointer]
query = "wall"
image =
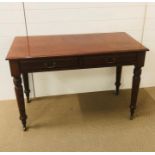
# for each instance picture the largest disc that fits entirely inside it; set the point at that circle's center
(149, 40)
(11, 24)
(138, 19)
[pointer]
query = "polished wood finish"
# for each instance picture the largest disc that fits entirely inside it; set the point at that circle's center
(20, 100)
(73, 45)
(135, 88)
(118, 78)
(64, 52)
(136, 82)
(26, 86)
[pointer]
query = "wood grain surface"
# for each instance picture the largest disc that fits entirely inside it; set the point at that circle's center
(72, 45)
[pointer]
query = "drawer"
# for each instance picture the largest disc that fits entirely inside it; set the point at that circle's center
(48, 64)
(109, 60)
(99, 61)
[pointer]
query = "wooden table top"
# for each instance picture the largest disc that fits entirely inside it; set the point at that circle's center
(72, 45)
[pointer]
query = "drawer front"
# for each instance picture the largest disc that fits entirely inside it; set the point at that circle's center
(108, 60)
(48, 64)
(99, 61)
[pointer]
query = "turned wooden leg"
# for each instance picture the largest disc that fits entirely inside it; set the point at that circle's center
(135, 89)
(20, 100)
(26, 86)
(118, 78)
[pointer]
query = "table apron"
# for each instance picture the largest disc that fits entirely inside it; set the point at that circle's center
(76, 62)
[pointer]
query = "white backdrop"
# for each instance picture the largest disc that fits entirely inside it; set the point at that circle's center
(137, 19)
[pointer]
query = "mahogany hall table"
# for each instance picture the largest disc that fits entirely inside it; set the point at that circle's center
(80, 51)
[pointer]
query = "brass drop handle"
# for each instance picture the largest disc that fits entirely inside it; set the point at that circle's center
(50, 64)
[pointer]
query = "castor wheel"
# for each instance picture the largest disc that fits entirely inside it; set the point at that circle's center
(24, 128)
